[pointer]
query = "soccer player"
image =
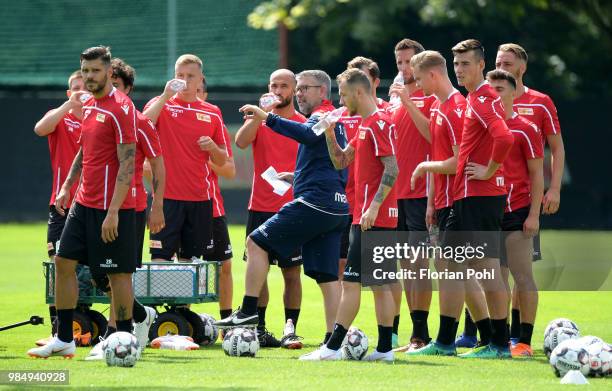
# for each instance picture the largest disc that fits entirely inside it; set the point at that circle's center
(222, 248)
(265, 203)
(62, 127)
(480, 193)
(446, 127)
(524, 172)
(99, 230)
(191, 134)
(373, 151)
(316, 217)
(147, 147)
(540, 109)
(411, 119)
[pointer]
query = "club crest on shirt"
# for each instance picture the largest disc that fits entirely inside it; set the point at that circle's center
(419, 103)
(525, 111)
(203, 117)
(125, 108)
(439, 120)
(482, 99)
(362, 135)
(100, 117)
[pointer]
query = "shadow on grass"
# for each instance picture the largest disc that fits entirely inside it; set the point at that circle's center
(147, 388)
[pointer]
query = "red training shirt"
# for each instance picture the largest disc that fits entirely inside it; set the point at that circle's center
(539, 109)
(63, 147)
(148, 147)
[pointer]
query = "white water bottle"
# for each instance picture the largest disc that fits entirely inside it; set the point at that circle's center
(324, 123)
(394, 98)
(268, 100)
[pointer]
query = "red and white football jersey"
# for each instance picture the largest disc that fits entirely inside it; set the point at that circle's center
(539, 109)
(148, 147)
(527, 145)
(412, 147)
(180, 125)
(107, 122)
(278, 151)
(375, 139)
(63, 147)
(485, 137)
(446, 127)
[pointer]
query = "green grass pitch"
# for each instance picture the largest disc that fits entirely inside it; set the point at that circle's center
(22, 248)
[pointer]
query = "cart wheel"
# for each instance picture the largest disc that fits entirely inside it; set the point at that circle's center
(169, 322)
(98, 325)
(196, 325)
(81, 329)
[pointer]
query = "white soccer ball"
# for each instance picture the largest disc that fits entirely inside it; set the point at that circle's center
(589, 340)
(569, 355)
(556, 336)
(355, 345)
(239, 342)
(600, 358)
(121, 349)
(560, 322)
(211, 332)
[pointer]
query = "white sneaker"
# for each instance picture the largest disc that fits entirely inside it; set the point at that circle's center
(55, 347)
(97, 353)
(322, 354)
(289, 328)
(378, 356)
(141, 330)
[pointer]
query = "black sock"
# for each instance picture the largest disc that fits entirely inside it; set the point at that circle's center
(225, 313)
(456, 328)
(469, 327)
(124, 325)
(384, 339)
(261, 311)
(526, 333)
(109, 330)
(292, 314)
(446, 334)
(499, 337)
(515, 327)
(64, 325)
(326, 338)
(52, 315)
(249, 305)
(419, 325)
(337, 337)
(396, 324)
(139, 312)
(485, 330)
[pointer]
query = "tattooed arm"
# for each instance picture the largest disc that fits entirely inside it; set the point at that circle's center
(63, 197)
(389, 176)
(341, 158)
(125, 154)
(158, 184)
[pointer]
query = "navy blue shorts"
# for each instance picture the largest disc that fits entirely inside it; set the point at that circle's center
(316, 232)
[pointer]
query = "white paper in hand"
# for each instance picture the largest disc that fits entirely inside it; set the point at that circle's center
(280, 186)
(574, 377)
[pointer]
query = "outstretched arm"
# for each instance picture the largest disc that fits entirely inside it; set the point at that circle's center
(341, 158)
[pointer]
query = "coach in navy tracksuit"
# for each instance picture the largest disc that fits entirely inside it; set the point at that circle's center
(314, 220)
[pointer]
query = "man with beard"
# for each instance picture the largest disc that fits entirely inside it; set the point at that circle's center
(264, 202)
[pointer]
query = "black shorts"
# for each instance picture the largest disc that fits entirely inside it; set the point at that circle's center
(513, 221)
(353, 272)
(188, 231)
(222, 247)
(476, 221)
(141, 224)
(55, 226)
(411, 218)
(345, 241)
(81, 241)
(256, 219)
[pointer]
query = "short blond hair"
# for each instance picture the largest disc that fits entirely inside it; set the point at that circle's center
(74, 75)
(515, 49)
(428, 59)
(188, 59)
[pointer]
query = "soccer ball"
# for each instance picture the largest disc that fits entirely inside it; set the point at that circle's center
(240, 342)
(600, 358)
(355, 344)
(589, 340)
(556, 336)
(211, 332)
(121, 349)
(560, 322)
(569, 355)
